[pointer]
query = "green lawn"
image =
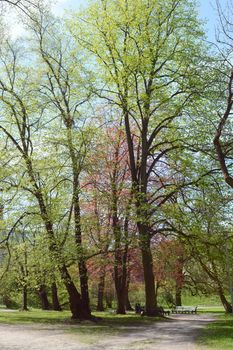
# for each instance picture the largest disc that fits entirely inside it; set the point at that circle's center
(53, 317)
(34, 316)
(219, 335)
(211, 309)
(201, 300)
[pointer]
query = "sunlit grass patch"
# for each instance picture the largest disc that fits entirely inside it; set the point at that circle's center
(34, 316)
(219, 335)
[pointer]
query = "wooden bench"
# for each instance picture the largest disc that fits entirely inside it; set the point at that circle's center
(184, 310)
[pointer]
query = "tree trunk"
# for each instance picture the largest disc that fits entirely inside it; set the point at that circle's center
(127, 303)
(147, 262)
(121, 301)
(120, 279)
(101, 285)
(25, 299)
(55, 300)
(83, 275)
(227, 306)
(178, 295)
(121, 251)
(157, 285)
(78, 309)
(140, 182)
(214, 277)
(45, 305)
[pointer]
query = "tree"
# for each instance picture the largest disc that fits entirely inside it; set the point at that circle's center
(170, 261)
(222, 139)
(148, 57)
(111, 202)
(20, 105)
(201, 220)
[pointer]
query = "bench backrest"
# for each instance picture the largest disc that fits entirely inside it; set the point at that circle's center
(185, 308)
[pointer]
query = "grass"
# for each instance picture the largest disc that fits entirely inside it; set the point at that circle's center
(219, 335)
(54, 317)
(211, 309)
(34, 316)
(201, 300)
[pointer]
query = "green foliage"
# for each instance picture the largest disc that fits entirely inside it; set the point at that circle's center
(145, 62)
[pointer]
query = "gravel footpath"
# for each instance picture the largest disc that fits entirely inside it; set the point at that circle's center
(179, 333)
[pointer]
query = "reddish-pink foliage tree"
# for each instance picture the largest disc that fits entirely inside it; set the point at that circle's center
(170, 258)
(109, 205)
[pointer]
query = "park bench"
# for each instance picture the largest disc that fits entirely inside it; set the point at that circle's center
(184, 310)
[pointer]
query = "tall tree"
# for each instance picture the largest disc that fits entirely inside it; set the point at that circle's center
(20, 104)
(147, 55)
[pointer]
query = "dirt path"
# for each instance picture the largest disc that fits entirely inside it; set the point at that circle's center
(179, 333)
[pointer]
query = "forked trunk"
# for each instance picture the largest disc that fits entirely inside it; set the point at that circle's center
(78, 309)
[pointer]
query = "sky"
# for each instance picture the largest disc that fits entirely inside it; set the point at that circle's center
(206, 9)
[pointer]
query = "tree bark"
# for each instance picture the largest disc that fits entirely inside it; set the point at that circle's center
(178, 296)
(139, 183)
(25, 299)
(55, 299)
(45, 305)
(83, 275)
(147, 262)
(120, 278)
(227, 306)
(101, 286)
(127, 303)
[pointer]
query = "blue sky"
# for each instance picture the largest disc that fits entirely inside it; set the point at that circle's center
(208, 12)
